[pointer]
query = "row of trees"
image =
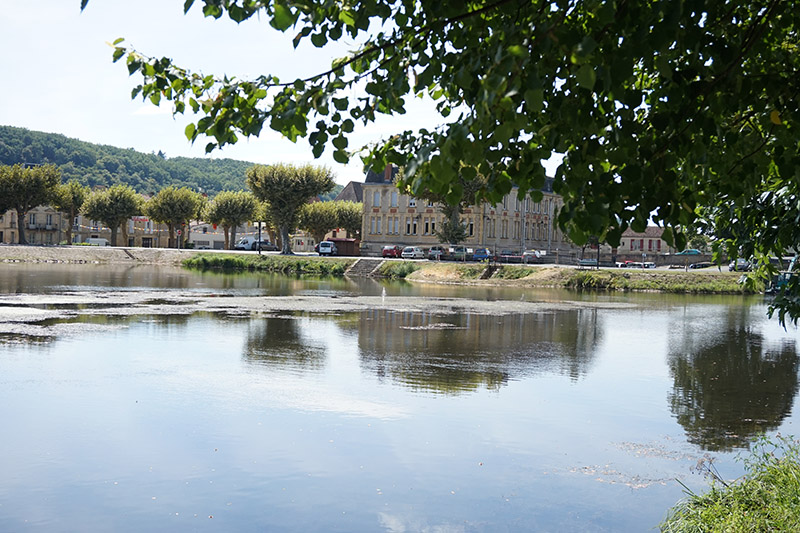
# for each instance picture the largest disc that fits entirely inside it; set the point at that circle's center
(279, 197)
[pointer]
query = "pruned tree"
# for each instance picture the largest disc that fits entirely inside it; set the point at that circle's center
(112, 207)
(286, 188)
(174, 207)
(23, 188)
(349, 216)
(69, 199)
(318, 218)
(229, 210)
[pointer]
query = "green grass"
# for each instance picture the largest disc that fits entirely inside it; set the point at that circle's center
(674, 282)
(470, 271)
(512, 272)
(284, 264)
(397, 269)
(766, 498)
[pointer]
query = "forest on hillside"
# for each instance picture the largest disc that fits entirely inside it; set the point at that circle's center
(96, 164)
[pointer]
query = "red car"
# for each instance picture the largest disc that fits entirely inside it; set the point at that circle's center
(392, 250)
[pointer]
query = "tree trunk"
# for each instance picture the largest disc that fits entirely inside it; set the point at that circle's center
(170, 243)
(71, 215)
(226, 233)
(114, 235)
(21, 227)
(286, 243)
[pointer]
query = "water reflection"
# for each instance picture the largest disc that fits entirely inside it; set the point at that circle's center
(466, 352)
(283, 342)
(730, 381)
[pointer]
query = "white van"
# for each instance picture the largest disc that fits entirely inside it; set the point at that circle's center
(96, 241)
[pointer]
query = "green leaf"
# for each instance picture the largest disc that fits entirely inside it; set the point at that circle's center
(586, 77)
(117, 41)
(283, 17)
(341, 157)
(190, 132)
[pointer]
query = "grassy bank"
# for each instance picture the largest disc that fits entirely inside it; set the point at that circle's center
(676, 281)
(283, 264)
(766, 498)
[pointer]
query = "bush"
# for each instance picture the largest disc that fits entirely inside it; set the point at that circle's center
(270, 263)
(766, 498)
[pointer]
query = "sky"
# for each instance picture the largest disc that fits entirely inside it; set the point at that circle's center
(57, 76)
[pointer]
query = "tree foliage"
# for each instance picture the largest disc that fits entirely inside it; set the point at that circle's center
(349, 216)
(660, 108)
(174, 207)
(69, 198)
(95, 164)
(22, 189)
(318, 218)
(286, 188)
(231, 209)
(112, 207)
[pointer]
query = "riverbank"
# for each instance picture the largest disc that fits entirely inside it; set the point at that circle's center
(711, 281)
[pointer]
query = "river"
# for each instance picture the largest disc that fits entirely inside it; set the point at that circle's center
(579, 413)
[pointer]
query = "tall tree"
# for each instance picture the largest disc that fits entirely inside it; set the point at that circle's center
(659, 107)
(174, 207)
(286, 188)
(231, 209)
(349, 216)
(23, 188)
(318, 218)
(112, 207)
(69, 198)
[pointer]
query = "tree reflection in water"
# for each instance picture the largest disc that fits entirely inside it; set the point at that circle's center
(730, 383)
(464, 352)
(282, 341)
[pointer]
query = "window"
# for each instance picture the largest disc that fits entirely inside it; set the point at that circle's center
(372, 225)
(430, 203)
(426, 226)
(414, 226)
(32, 218)
(49, 220)
(471, 228)
(378, 226)
(376, 198)
(505, 202)
(408, 225)
(433, 226)
(394, 199)
(412, 202)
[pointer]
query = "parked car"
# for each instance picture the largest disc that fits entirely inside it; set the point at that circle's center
(251, 243)
(412, 252)
(702, 264)
(740, 265)
(482, 254)
(264, 246)
(392, 250)
(689, 251)
(509, 256)
(531, 256)
(436, 253)
(456, 252)
(327, 248)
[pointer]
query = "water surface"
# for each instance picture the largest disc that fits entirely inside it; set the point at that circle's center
(566, 420)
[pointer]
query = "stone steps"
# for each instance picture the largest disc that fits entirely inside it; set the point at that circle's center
(364, 267)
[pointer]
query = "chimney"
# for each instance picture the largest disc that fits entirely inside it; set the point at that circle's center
(387, 174)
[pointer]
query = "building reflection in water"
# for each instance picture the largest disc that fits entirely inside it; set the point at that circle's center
(731, 383)
(463, 352)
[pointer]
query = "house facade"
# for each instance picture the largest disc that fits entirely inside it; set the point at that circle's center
(647, 242)
(514, 224)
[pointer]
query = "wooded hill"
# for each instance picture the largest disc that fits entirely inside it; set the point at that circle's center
(97, 164)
